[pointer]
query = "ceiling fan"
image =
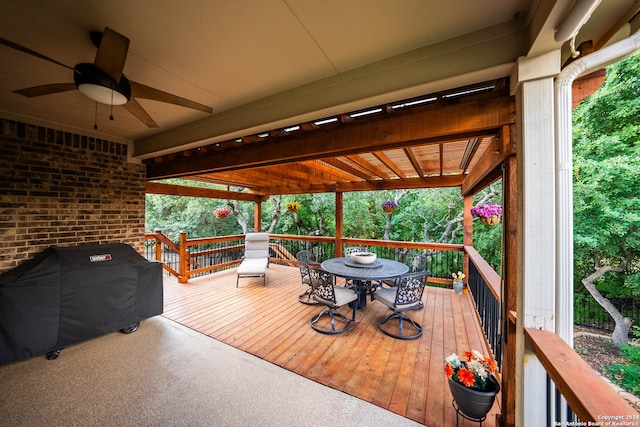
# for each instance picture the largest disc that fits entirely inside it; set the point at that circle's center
(103, 81)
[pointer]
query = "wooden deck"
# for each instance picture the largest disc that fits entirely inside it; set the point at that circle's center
(406, 377)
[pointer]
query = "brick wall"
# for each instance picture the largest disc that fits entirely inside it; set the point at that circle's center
(64, 189)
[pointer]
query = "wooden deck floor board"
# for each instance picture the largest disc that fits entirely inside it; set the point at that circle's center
(405, 377)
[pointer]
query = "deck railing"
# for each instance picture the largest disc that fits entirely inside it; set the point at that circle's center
(484, 284)
(586, 398)
(442, 259)
(194, 257)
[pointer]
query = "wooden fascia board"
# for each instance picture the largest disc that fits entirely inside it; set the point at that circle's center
(183, 190)
(391, 184)
(401, 184)
(430, 125)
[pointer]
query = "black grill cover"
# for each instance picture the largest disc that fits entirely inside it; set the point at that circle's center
(67, 295)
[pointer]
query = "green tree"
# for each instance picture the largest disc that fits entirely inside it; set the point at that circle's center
(194, 215)
(606, 178)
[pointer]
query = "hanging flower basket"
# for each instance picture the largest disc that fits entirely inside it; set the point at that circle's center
(221, 213)
(489, 214)
(389, 206)
(293, 206)
(492, 220)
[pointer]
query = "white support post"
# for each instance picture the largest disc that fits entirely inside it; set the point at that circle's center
(533, 85)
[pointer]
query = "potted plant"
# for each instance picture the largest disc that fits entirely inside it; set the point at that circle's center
(293, 206)
(457, 282)
(221, 213)
(389, 206)
(472, 383)
(489, 214)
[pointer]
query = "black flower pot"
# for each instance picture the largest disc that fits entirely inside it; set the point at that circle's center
(472, 403)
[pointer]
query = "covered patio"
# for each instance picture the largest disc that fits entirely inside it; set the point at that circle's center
(303, 97)
(405, 377)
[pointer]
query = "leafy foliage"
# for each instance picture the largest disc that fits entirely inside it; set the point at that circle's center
(606, 178)
(627, 375)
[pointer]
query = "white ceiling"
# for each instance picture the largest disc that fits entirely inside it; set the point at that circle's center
(266, 63)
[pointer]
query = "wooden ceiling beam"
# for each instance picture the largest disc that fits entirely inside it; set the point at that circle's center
(306, 172)
(331, 170)
(414, 161)
(360, 161)
(401, 184)
(500, 147)
(219, 181)
(434, 125)
(388, 163)
(209, 193)
(469, 152)
(290, 174)
(337, 163)
(375, 185)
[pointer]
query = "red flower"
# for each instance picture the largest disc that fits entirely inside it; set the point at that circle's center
(448, 371)
(492, 365)
(466, 377)
(468, 355)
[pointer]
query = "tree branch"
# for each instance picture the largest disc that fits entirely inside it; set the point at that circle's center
(623, 324)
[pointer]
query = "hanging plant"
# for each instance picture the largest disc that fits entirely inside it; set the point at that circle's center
(221, 213)
(489, 214)
(389, 206)
(293, 206)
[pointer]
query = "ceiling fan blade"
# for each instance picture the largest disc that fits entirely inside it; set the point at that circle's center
(112, 53)
(46, 89)
(146, 92)
(28, 51)
(136, 109)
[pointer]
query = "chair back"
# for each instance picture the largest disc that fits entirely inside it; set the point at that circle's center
(256, 245)
(417, 263)
(304, 258)
(322, 283)
(410, 288)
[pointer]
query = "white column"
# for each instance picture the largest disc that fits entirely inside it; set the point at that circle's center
(533, 85)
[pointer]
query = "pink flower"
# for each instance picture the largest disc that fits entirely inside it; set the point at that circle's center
(486, 211)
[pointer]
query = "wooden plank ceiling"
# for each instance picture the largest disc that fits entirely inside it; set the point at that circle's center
(430, 141)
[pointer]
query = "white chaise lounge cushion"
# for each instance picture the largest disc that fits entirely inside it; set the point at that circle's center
(253, 266)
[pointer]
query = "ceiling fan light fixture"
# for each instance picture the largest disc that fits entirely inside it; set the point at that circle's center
(102, 94)
(97, 85)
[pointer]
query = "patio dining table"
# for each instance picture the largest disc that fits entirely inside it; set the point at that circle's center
(363, 274)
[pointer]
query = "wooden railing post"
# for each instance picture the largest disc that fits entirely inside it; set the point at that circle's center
(339, 224)
(184, 262)
(257, 216)
(158, 232)
(510, 285)
(467, 238)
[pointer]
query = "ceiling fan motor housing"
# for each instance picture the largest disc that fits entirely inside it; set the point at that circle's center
(99, 86)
